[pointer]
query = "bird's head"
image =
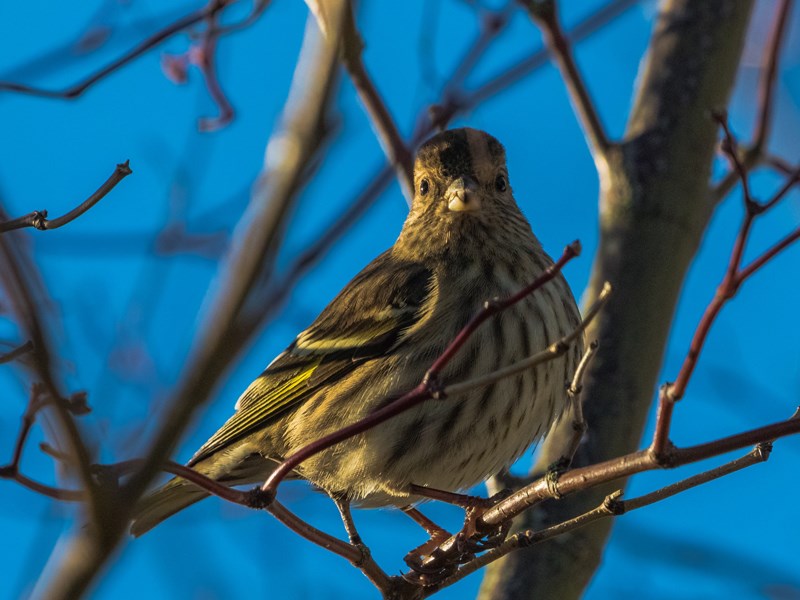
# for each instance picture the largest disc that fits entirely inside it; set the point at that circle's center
(461, 173)
(463, 202)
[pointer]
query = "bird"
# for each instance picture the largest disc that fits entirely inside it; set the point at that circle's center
(464, 241)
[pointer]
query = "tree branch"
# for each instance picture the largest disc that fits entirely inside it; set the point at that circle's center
(545, 14)
(16, 353)
(77, 89)
(38, 218)
(756, 151)
(384, 125)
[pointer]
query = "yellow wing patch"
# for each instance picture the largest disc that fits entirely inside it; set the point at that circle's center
(262, 400)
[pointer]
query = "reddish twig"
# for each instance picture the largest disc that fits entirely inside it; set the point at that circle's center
(208, 57)
(36, 401)
(612, 506)
(38, 218)
(734, 276)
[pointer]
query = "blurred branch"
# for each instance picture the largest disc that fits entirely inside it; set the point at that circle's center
(545, 14)
(36, 401)
(389, 136)
(16, 353)
(38, 218)
(20, 280)
(513, 73)
(766, 89)
(757, 150)
(262, 226)
(208, 59)
(75, 90)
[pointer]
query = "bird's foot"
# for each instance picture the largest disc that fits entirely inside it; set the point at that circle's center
(440, 556)
(476, 536)
(427, 562)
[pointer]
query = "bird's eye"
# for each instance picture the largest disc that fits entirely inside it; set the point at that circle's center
(424, 186)
(500, 183)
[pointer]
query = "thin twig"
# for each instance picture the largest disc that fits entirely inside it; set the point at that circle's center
(759, 454)
(578, 422)
(766, 88)
(756, 151)
(14, 354)
(385, 127)
(545, 14)
(75, 90)
(208, 59)
(553, 351)
(732, 280)
(527, 538)
(611, 506)
(38, 218)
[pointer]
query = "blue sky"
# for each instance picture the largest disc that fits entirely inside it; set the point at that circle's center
(124, 315)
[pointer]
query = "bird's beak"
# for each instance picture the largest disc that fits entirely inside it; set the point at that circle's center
(462, 195)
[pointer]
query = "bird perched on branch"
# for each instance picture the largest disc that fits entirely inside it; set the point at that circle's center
(464, 241)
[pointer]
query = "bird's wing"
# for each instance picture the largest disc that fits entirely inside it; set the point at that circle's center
(367, 319)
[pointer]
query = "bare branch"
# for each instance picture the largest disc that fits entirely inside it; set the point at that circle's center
(756, 151)
(727, 289)
(38, 218)
(75, 90)
(611, 506)
(389, 136)
(545, 14)
(17, 352)
(769, 74)
(208, 58)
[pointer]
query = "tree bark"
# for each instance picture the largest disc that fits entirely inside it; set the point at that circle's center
(654, 208)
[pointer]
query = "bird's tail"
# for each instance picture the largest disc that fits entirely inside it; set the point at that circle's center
(164, 502)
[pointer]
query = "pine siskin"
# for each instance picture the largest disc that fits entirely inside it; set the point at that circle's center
(464, 241)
